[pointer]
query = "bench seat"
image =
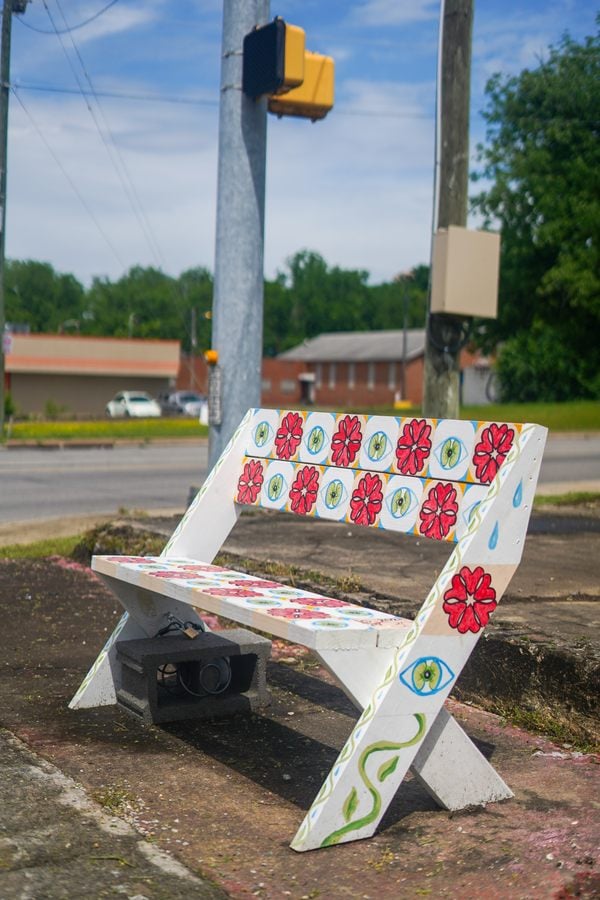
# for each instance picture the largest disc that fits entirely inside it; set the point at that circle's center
(303, 617)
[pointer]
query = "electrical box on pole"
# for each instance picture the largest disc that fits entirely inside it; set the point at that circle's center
(314, 97)
(465, 271)
(273, 59)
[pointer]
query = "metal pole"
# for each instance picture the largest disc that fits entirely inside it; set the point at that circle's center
(404, 336)
(444, 332)
(4, 92)
(237, 314)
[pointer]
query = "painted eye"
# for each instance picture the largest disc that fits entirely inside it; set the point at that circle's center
(334, 494)
(401, 502)
(427, 675)
(275, 487)
(315, 440)
(262, 433)
(379, 446)
(450, 452)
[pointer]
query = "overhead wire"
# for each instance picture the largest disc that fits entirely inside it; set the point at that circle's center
(108, 140)
(70, 181)
(70, 28)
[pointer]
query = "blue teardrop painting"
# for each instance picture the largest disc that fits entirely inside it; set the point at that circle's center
(493, 541)
(518, 495)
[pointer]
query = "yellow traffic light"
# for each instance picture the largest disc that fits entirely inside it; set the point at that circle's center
(314, 97)
(273, 59)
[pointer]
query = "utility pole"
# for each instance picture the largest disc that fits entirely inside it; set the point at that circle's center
(9, 7)
(4, 91)
(237, 313)
(444, 332)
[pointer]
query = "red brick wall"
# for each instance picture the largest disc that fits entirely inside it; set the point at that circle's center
(281, 385)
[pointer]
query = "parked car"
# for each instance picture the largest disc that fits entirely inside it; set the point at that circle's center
(183, 403)
(137, 404)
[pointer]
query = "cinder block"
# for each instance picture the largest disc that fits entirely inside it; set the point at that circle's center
(164, 679)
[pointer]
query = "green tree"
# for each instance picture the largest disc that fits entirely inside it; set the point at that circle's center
(37, 296)
(542, 164)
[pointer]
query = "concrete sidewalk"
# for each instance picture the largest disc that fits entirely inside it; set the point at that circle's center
(225, 798)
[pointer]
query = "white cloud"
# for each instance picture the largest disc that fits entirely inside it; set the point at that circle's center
(379, 13)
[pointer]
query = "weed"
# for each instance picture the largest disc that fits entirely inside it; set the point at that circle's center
(114, 798)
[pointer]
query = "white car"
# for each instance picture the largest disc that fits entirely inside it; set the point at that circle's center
(134, 404)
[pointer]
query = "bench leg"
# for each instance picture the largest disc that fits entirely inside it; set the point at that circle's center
(100, 685)
(144, 615)
(380, 751)
(453, 771)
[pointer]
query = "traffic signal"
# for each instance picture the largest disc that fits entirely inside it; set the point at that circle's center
(314, 97)
(273, 59)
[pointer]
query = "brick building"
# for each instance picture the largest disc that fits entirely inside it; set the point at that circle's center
(78, 375)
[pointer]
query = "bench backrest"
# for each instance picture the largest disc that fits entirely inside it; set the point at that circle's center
(440, 478)
(407, 474)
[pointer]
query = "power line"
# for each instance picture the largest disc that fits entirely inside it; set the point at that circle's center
(70, 28)
(201, 101)
(72, 184)
(108, 140)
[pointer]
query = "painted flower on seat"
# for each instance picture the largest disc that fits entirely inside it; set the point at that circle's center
(173, 574)
(492, 450)
(366, 500)
(324, 602)
(345, 443)
(128, 559)
(438, 512)
(289, 435)
(231, 592)
(250, 482)
(255, 583)
(413, 447)
(303, 492)
(470, 600)
(292, 613)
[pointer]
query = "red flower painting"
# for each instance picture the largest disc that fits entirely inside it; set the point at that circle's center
(230, 592)
(129, 559)
(470, 600)
(492, 450)
(345, 443)
(413, 447)
(289, 435)
(303, 492)
(290, 612)
(324, 602)
(366, 500)
(250, 482)
(438, 512)
(255, 583)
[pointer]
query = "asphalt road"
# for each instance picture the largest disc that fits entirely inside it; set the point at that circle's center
(39, 484)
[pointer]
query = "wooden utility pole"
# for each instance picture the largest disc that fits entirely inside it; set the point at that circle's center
(444, 332)
(9, 7)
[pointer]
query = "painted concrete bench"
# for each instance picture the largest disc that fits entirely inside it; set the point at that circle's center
(466, 482)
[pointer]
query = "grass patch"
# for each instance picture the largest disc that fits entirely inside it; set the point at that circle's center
(109, 430)
(553, 726)
(580, 415)
(576, 415)
(60, 546)
(586, 499)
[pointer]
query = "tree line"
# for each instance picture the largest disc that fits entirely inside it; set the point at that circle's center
(307, 298)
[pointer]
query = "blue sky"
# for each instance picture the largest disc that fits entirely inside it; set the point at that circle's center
(133, 182)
